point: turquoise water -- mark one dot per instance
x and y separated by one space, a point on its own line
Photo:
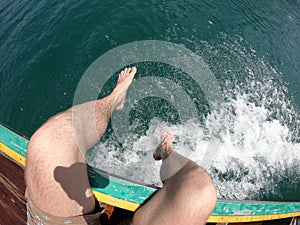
251 47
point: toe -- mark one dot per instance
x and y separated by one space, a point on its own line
133 70
156 155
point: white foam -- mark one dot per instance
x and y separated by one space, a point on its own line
252 150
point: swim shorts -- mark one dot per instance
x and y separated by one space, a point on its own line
35 216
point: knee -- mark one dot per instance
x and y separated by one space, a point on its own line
203 191
209 196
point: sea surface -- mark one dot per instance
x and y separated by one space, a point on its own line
252 50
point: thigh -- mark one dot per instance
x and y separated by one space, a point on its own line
187 198
58 187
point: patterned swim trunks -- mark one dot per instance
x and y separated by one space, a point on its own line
36 216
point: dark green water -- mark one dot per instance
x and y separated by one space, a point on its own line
252 47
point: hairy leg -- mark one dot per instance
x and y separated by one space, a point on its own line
56 170
187 197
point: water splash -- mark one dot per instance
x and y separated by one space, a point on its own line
259 136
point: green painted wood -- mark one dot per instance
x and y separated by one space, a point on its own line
126 190
254 208
119 188
13 140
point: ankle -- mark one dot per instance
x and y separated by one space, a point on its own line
172 164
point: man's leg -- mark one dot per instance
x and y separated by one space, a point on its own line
56 170
187 198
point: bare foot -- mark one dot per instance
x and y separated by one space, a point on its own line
125 79
164 149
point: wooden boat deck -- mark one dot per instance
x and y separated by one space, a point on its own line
12 189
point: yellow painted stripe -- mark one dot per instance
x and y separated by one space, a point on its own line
12 154
115 201
236 219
